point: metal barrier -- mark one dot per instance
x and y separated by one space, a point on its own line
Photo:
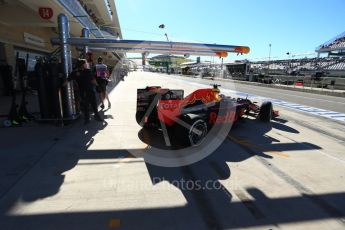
332 84
308 82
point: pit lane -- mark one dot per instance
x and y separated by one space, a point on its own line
288 175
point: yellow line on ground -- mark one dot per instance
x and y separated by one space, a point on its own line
114 223
256 147
125 159
130 156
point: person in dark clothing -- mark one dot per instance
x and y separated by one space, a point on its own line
6 74
86 84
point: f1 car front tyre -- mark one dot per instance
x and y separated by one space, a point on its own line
266 110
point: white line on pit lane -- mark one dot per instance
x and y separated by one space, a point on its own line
294 95
302 108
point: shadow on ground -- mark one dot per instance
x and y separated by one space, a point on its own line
201 185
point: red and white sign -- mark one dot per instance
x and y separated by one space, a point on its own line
45 12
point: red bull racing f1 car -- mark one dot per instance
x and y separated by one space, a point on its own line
193 116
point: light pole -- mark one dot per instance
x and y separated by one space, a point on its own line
221 69
162 26
269 57
289 67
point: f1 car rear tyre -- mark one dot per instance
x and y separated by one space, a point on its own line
149 121
194 134
139 116
266 110
197 132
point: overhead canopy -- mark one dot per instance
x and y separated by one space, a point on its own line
159 47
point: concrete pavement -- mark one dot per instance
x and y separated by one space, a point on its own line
287 175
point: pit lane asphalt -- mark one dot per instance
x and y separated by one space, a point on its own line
287 175
332 103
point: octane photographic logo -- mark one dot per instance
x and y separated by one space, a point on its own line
202 120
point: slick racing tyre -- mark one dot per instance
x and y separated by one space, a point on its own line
139 116
197 132
266 110
194 134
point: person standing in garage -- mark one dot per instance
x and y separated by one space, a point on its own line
87 83
102 77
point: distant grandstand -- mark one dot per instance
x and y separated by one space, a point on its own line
242 70
334 66
333 47
331 66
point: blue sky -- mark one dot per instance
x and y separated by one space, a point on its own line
295 26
